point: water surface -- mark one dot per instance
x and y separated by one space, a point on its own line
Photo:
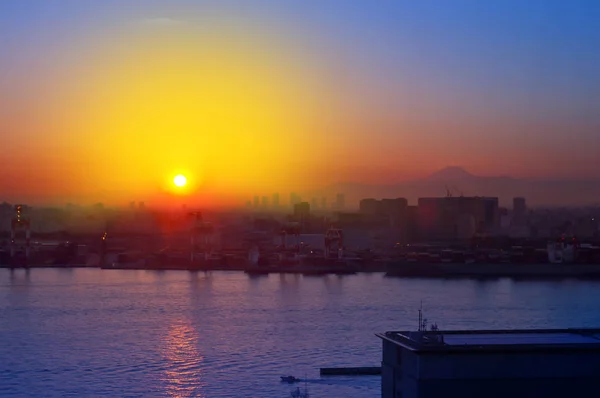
91 332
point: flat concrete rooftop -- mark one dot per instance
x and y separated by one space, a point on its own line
472 340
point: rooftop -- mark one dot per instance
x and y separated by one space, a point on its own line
476 340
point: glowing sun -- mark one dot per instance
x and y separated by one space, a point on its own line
180 180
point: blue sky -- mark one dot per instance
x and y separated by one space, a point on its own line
538 53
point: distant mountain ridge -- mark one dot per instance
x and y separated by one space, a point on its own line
461 182
450 173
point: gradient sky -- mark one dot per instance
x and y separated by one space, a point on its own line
108 99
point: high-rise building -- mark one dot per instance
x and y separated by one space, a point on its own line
369 206
519 211
491 213
394 207
264 202
324 203
302 212
275 201
256 202
383 207
302 209
442 218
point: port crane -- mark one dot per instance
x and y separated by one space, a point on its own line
19 222
334 240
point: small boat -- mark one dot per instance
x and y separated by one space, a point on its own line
290 379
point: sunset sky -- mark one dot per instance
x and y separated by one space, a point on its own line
109 100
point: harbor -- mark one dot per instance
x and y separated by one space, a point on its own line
559 259
191 241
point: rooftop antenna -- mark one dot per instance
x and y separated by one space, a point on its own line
448 192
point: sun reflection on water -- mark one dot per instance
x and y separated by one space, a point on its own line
183 370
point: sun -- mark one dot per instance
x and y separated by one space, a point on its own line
180 180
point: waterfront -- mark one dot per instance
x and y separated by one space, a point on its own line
90 332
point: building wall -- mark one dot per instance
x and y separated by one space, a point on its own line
369 206
399 372
499 374
517 388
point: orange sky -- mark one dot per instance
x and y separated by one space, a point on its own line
253 105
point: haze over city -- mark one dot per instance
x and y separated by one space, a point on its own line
262 198
109 100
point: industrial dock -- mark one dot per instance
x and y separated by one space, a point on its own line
187 241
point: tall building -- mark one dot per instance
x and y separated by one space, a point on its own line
519 205
491 211
275 201
386 208
369 206
394 207
324 203
519 211
490 363
256 202
457 217
302 213
389 217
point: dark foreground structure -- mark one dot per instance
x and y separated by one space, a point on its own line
491 363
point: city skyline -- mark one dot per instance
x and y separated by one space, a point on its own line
123 96
189 186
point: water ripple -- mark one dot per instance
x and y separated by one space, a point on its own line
178 334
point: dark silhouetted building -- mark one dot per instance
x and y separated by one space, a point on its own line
394 208
302 210
385 219
386 211
490 363
302 214
519 211
412 223
369 206
275 201
457 217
